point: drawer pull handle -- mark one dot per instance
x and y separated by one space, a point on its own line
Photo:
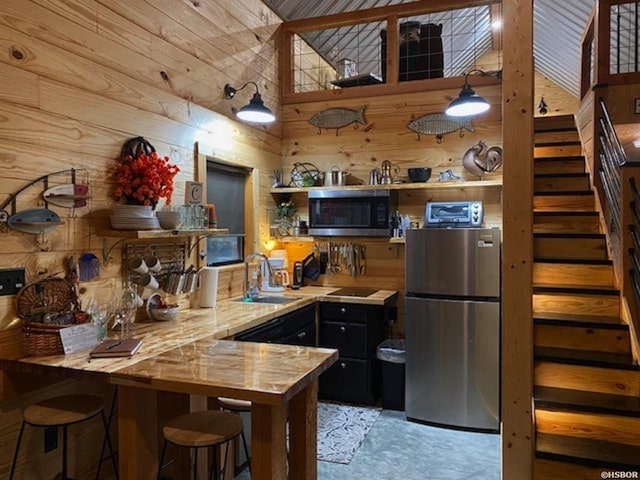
342 329
343 365
343 310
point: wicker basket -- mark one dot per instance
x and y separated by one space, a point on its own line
41 338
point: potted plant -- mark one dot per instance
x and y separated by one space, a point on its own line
142 176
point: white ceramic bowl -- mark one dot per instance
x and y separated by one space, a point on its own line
169 220
164 314
160 314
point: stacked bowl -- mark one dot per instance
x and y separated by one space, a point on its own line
133 217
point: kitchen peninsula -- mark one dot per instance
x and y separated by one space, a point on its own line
189 356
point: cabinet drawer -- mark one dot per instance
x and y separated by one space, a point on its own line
350 339
343 311
270 332
299 319
305 337
345 378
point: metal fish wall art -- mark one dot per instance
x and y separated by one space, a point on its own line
439 124
336 118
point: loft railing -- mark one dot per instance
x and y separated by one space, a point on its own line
611 46
404 48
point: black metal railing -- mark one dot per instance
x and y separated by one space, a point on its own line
624 25
634 250
612 158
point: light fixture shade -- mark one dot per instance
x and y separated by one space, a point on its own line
467 103
255 111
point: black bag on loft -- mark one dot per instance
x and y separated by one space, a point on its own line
421 53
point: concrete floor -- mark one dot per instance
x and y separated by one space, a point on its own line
398 449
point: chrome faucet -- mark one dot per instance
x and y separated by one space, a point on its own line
251 256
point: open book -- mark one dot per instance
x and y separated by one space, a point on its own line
117 348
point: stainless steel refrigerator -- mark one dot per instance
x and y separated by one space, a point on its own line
453 327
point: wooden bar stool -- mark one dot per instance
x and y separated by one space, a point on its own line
238 406
62 412
196 430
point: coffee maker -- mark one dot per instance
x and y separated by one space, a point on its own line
298 278
280 278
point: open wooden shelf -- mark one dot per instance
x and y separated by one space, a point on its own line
436 185
153 234
124 235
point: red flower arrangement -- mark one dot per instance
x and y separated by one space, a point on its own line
145 179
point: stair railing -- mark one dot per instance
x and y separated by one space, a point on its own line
612 158
633 252
620 188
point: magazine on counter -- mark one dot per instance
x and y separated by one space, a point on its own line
117 348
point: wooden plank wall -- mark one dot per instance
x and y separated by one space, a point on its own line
386 137
77 79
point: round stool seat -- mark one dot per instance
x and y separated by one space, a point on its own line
63 410
202 429
234 404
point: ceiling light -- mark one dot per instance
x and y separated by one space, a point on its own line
255 111
468 103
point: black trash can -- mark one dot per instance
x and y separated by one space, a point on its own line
391 354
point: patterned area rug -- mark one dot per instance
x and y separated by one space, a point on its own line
342 429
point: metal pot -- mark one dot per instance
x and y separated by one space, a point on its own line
335 177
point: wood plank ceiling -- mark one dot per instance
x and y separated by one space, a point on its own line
558 28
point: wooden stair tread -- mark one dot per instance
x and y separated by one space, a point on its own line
560 318
565 122
582 193
561 175
576 235
585 357
565 213
599 453
571 261
557 144
550 398
568 158
590 290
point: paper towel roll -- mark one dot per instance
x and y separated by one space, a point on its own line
208 287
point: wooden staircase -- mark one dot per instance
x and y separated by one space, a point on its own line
586 387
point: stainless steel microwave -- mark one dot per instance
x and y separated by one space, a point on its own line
363 213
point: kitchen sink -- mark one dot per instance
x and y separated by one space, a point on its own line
274 299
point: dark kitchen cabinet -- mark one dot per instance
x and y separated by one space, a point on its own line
295 328
355 330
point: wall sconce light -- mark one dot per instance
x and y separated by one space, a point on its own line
468 103
255 111
543 108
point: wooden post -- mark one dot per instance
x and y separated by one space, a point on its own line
517 253
303 427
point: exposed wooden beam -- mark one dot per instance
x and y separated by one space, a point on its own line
381 14
430 84
496 16
517 253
